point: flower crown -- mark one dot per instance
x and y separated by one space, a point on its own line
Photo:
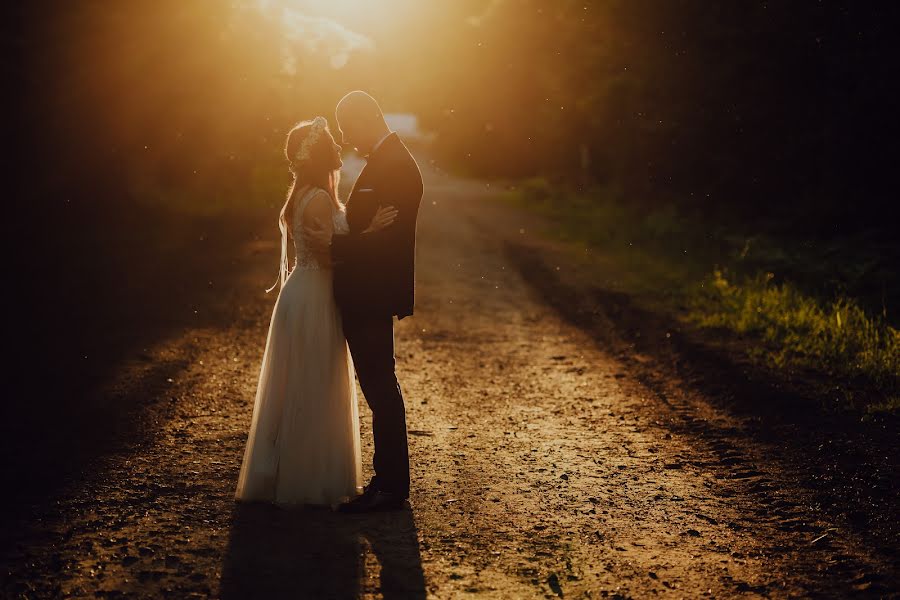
315 132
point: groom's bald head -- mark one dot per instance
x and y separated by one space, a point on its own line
358 105
360 120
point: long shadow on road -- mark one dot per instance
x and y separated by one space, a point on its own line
318 553
844 465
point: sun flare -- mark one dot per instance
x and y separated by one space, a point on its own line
315 27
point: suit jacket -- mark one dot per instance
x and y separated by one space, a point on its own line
374 273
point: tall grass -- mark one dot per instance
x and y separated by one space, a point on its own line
672 260
837 336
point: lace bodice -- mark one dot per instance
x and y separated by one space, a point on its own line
305 258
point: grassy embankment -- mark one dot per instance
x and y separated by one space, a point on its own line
813 305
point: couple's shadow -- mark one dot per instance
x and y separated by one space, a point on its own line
317 553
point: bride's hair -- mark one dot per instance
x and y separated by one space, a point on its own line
316 168
313 165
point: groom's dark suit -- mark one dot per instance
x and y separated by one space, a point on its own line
373 282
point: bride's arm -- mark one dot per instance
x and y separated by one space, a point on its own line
317 217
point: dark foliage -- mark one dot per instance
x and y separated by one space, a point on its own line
741 108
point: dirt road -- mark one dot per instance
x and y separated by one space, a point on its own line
542 465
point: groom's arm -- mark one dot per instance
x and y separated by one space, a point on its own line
345 246
357 239
358 243
339 248
400 189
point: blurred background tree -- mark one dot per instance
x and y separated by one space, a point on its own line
731 107
785 108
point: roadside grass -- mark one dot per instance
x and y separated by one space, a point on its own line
799 330
775 291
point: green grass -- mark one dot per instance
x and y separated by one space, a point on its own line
798 329
778 291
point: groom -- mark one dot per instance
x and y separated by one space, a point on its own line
373 282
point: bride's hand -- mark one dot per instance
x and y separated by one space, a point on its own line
384 216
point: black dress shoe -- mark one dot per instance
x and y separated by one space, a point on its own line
374 501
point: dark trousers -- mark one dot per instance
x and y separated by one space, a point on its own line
371 342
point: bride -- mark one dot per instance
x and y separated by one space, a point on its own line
303 446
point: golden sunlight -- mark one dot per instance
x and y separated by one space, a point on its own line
310 27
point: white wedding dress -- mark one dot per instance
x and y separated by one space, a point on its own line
303 446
